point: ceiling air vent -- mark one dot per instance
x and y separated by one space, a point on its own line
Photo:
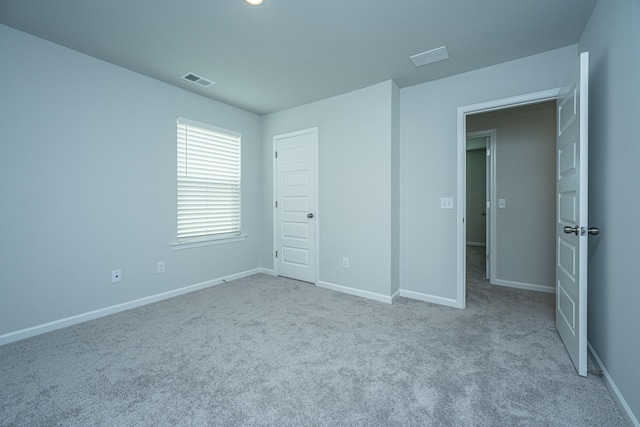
430 56
200 81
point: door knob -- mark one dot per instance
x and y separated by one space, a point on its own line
309 215
594 231
569 230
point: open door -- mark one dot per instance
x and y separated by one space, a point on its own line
572 213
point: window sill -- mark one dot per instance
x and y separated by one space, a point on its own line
209 242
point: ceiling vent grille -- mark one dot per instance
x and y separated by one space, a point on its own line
430 56
196 79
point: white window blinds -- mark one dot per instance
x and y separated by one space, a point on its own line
208 182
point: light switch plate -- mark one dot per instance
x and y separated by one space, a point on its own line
446 203
502 203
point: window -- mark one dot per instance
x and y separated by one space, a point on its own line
208 182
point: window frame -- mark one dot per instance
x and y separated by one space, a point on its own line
183 182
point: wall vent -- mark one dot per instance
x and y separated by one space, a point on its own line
194 78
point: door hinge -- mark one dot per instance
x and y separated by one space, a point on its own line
276 203
276 154
488 205
276 254
488 152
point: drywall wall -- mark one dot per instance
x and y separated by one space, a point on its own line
88 185
476 195
524 249
428 155
356 164
395 190
612 38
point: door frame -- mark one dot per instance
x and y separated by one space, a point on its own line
490 178
461 186
316 222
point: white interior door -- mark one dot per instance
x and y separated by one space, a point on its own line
295 205
572 214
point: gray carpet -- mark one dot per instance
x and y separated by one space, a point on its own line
271 351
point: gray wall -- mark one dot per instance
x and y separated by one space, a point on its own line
358 161
612 38
428 155
88 185
524 248
476 195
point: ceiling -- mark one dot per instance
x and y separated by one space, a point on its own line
286 53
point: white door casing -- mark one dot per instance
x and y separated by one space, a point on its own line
572 213
488 208
295 206
490 136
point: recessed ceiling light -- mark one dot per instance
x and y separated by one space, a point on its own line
430 56
254 2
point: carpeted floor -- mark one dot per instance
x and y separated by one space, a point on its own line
271 351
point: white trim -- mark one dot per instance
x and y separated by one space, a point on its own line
461 231
95 314
616 395
268 271
207 126
429 298
357 292
317 216
528 286
491 191
219 241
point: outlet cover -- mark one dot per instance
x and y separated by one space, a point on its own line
116 276
446 203
160 267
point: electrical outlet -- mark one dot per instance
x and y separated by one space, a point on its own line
116 276
160 267
446 203
345 262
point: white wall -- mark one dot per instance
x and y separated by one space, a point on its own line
356 167
525 157
428 161
88 185
612 38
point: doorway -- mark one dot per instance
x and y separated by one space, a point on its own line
523 209
464 113
479 185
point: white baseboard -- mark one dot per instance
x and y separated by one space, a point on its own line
527 286
476 244
357 292
73 320
613 390
429 298
269 271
